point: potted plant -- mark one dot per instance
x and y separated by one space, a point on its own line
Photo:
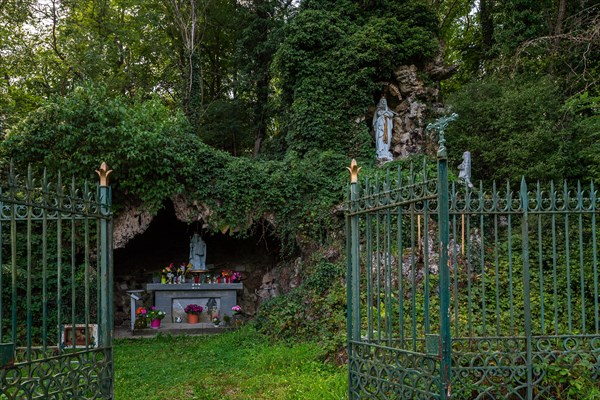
216 320
140 318
236 310
155 316
193 312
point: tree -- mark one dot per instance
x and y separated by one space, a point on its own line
149 146
332 60
257 44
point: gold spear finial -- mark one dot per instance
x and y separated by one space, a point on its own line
103 173
354 170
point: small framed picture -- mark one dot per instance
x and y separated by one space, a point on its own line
81 341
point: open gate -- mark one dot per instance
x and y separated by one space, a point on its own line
56 317
399 340
466 293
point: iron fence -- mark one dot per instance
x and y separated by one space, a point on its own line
467 293
55 285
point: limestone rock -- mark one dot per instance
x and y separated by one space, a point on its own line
130 222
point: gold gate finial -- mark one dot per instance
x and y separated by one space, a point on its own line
103 173
354 170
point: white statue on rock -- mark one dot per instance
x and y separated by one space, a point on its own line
197 253
382 125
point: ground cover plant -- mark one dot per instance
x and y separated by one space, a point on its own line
238 365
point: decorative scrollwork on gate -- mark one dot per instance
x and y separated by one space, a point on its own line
80 375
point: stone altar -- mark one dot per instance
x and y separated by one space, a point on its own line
172 299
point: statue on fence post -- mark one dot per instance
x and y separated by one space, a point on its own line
382 125
197 253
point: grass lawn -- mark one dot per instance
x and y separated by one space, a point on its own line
235 365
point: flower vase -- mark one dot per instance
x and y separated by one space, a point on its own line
163 279
155 323
193 318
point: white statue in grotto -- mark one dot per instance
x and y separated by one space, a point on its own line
382 125
197 253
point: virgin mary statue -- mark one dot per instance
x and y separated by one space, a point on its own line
382 125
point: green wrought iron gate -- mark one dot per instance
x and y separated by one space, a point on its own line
398 339
56 289
466 293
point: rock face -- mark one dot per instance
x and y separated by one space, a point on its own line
415 100
130 222
410 98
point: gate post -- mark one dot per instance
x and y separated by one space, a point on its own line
104 320
105 317
444 231
353 279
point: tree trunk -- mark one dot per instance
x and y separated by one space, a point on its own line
560 16
487 24
262 83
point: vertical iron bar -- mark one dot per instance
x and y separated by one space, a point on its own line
581 275
540 258
369 266
595 256
497 271
110 262
400 274
554 274
444 221
45 202
29 198
568 257
454 262
106 279
510 261
13 246
349 291
526 288
105 338
59 194
482 258
426 263
1 267
413 273
355 267
98 264
388 277
73 249
554 255
86 282
469 265
378 273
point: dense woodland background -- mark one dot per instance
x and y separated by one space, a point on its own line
252 108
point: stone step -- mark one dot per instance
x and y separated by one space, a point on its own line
174 329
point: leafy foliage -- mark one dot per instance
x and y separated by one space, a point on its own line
316 309
145 143
328 66
512 128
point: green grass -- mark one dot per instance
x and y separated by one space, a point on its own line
236 365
